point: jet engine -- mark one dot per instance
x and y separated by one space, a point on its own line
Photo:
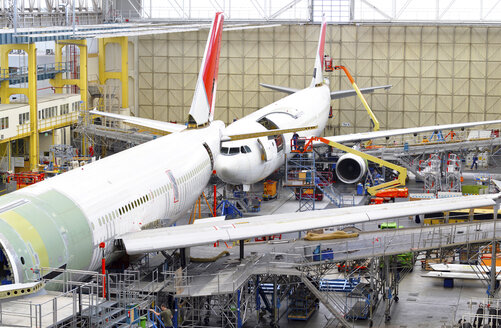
350 168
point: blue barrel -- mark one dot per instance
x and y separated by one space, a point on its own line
360 189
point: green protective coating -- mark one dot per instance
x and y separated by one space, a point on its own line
17 245
52 226
72 226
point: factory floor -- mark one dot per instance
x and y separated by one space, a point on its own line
423 302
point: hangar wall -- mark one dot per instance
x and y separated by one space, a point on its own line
440 74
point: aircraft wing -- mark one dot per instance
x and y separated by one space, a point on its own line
334 95
143 122
356 137
279 88
350 93
209 232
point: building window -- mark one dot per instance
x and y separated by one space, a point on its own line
24 118
4 123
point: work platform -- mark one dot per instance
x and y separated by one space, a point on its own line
44 72
394 152
290 257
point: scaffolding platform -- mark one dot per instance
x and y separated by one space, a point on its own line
392 152
40 310
44 72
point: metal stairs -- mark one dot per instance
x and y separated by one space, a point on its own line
335 306
328 189
108 314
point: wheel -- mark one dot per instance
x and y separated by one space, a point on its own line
396 299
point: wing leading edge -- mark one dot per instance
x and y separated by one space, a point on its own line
143 122
209 232
357 137
334 94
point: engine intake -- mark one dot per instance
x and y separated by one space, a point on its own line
350 168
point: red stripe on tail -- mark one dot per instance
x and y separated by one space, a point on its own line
211 64
322 43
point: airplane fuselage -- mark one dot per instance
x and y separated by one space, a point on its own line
249 161
61 221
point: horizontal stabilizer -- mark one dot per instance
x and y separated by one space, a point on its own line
357 137
208 232
154 125
350 93
265 133
279 88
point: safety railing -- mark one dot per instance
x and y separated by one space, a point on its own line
17 74
49 123
76 296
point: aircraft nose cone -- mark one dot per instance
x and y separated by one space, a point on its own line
227 170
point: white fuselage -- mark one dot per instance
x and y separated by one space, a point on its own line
125 192
251 160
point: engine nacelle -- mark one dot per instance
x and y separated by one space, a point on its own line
351 168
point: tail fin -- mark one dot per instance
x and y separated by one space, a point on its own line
318 77
202 107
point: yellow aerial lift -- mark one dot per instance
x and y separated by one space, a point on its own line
402 172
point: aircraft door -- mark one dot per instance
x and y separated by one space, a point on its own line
268 149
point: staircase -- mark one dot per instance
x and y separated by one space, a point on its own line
331 303
107 314
328 189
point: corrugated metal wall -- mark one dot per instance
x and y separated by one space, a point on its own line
440 74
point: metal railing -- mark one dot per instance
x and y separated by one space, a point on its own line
289 258
50 123
76 296
21 73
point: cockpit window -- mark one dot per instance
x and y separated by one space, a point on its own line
243 150
247 148
234 150
224 150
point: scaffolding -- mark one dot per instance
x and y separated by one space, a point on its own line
453 173
302 176
432 174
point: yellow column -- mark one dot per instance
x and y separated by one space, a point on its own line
57 81
83 72
123 75
101 58
9 152
30 92
125 72
4 87
32 98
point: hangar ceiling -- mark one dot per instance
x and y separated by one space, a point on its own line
440 74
